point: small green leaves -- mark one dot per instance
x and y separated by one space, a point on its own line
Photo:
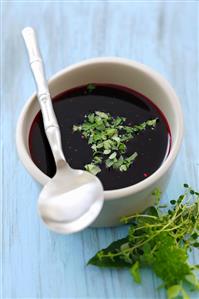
108 144
184 294
130 159
109 163
194 235
152 122
76 128
123 168
92 168
170 261
160 240
108 136
174 291
192 280
107 151
173 202
102 114
90 87
113 155
91 118
157 195
104 258
134 270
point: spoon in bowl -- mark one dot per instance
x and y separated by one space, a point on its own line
72 199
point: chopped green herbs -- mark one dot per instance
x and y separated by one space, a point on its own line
160 240
90 87
108 137
92 168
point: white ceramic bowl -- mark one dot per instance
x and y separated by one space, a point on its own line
134 75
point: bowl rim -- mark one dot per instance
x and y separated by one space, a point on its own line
122 192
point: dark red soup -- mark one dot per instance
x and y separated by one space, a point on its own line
152 145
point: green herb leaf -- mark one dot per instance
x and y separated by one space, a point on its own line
109 163
76 128
186 185
90 87
174 291
107 151
134 270
102 114
192 279
113 155
184 294
104 257
123 168
92 168
170 261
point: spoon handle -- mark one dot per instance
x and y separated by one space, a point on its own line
50 122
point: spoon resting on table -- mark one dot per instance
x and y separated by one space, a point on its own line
72 199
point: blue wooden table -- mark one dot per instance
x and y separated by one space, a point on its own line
37 263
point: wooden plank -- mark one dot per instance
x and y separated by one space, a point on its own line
163 35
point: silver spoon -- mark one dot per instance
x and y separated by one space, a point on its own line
72 199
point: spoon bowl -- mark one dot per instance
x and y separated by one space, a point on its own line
71 200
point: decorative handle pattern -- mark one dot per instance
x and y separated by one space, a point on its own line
50 122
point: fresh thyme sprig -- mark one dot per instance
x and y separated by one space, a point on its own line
90 87
108 137
160 240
